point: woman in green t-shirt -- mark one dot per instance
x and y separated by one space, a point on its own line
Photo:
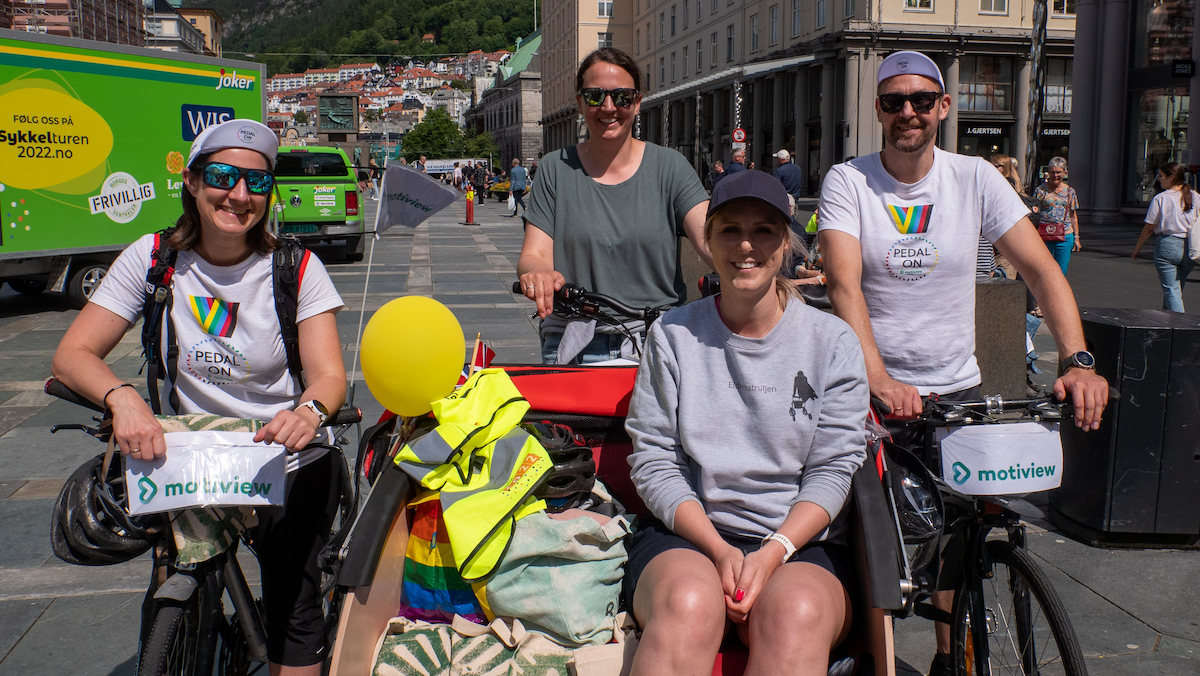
607 214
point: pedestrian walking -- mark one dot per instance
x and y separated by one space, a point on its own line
789 174
479 177
517 182
1171 216
714 175
1059 226
457 175
532 170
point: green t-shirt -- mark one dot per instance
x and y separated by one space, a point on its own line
619 240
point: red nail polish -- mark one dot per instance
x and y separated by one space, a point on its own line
741 594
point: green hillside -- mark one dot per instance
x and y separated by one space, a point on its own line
316 32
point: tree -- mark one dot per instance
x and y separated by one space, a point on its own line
300 117
477 145
436 138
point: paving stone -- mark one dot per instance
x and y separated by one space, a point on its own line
34 453
25 540
81 636
10 486
39 488
16 617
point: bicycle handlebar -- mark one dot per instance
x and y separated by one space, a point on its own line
56 388
578 300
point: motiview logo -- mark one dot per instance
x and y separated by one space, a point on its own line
962 473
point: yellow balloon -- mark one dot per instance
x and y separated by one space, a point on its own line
412 354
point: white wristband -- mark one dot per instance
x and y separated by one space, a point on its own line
788 547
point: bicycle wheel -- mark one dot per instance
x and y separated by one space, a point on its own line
1013 623
182 636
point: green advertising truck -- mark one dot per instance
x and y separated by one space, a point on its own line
93 141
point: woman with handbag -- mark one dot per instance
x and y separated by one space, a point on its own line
748 422
1059 226
1172 216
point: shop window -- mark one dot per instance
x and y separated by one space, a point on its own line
918 5
993 6
1058 86
985 84
754 33
1162 31
1158 120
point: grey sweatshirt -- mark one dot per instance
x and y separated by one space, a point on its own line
748 427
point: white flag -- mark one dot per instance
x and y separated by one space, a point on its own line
408 197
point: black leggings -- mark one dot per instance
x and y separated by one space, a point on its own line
287 542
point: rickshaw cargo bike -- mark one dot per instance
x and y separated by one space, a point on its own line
593 401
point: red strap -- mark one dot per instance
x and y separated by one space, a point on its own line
303 267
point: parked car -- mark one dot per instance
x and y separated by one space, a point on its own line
320 199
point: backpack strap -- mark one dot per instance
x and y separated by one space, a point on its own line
288 264
158 300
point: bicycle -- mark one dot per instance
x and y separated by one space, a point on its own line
1006 617
184 629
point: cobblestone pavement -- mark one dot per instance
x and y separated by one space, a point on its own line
1135 610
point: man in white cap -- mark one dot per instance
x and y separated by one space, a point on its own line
789 174
899 230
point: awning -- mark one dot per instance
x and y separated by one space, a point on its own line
749 70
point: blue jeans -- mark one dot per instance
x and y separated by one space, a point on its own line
1174 266
604 346
1062 251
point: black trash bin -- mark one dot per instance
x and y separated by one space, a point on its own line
1137 478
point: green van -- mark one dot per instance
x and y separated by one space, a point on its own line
319 201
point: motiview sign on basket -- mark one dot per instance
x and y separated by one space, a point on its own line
1002 459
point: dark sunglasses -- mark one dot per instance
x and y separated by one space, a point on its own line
226 176
622 98
922 102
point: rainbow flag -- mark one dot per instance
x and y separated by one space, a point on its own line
217 317
433 590
912 220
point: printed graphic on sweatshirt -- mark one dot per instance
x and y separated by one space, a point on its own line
802 393
911 258
217 317
216 362
912 220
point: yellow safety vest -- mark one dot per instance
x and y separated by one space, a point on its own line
484 466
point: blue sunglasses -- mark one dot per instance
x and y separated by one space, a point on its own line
226 176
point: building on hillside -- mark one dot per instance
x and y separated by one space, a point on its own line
209 23
314 76
167 30
428 38
453 101
349 71
570 31
420 78
511 109
1134 74
483 64
116 21
285 82
799 75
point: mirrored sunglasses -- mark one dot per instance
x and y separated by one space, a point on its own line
226 176
622 98
922 102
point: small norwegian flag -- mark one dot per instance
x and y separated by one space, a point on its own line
481 358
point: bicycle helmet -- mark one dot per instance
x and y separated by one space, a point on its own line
574 470
90 526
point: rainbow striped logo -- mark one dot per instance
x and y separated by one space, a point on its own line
215 316
912 220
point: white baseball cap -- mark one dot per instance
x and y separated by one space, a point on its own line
783 155
238 133
910 63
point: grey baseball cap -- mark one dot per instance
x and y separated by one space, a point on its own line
237 133
755 185
910 63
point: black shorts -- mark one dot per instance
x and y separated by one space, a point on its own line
287 542
653 538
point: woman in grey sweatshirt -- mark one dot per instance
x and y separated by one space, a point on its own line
748 422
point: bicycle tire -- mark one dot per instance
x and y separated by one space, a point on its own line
182 636
1024 621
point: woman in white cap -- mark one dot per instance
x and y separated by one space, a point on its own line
231 361
747 522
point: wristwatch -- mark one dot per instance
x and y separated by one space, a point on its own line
1081 359
318 408
788 547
